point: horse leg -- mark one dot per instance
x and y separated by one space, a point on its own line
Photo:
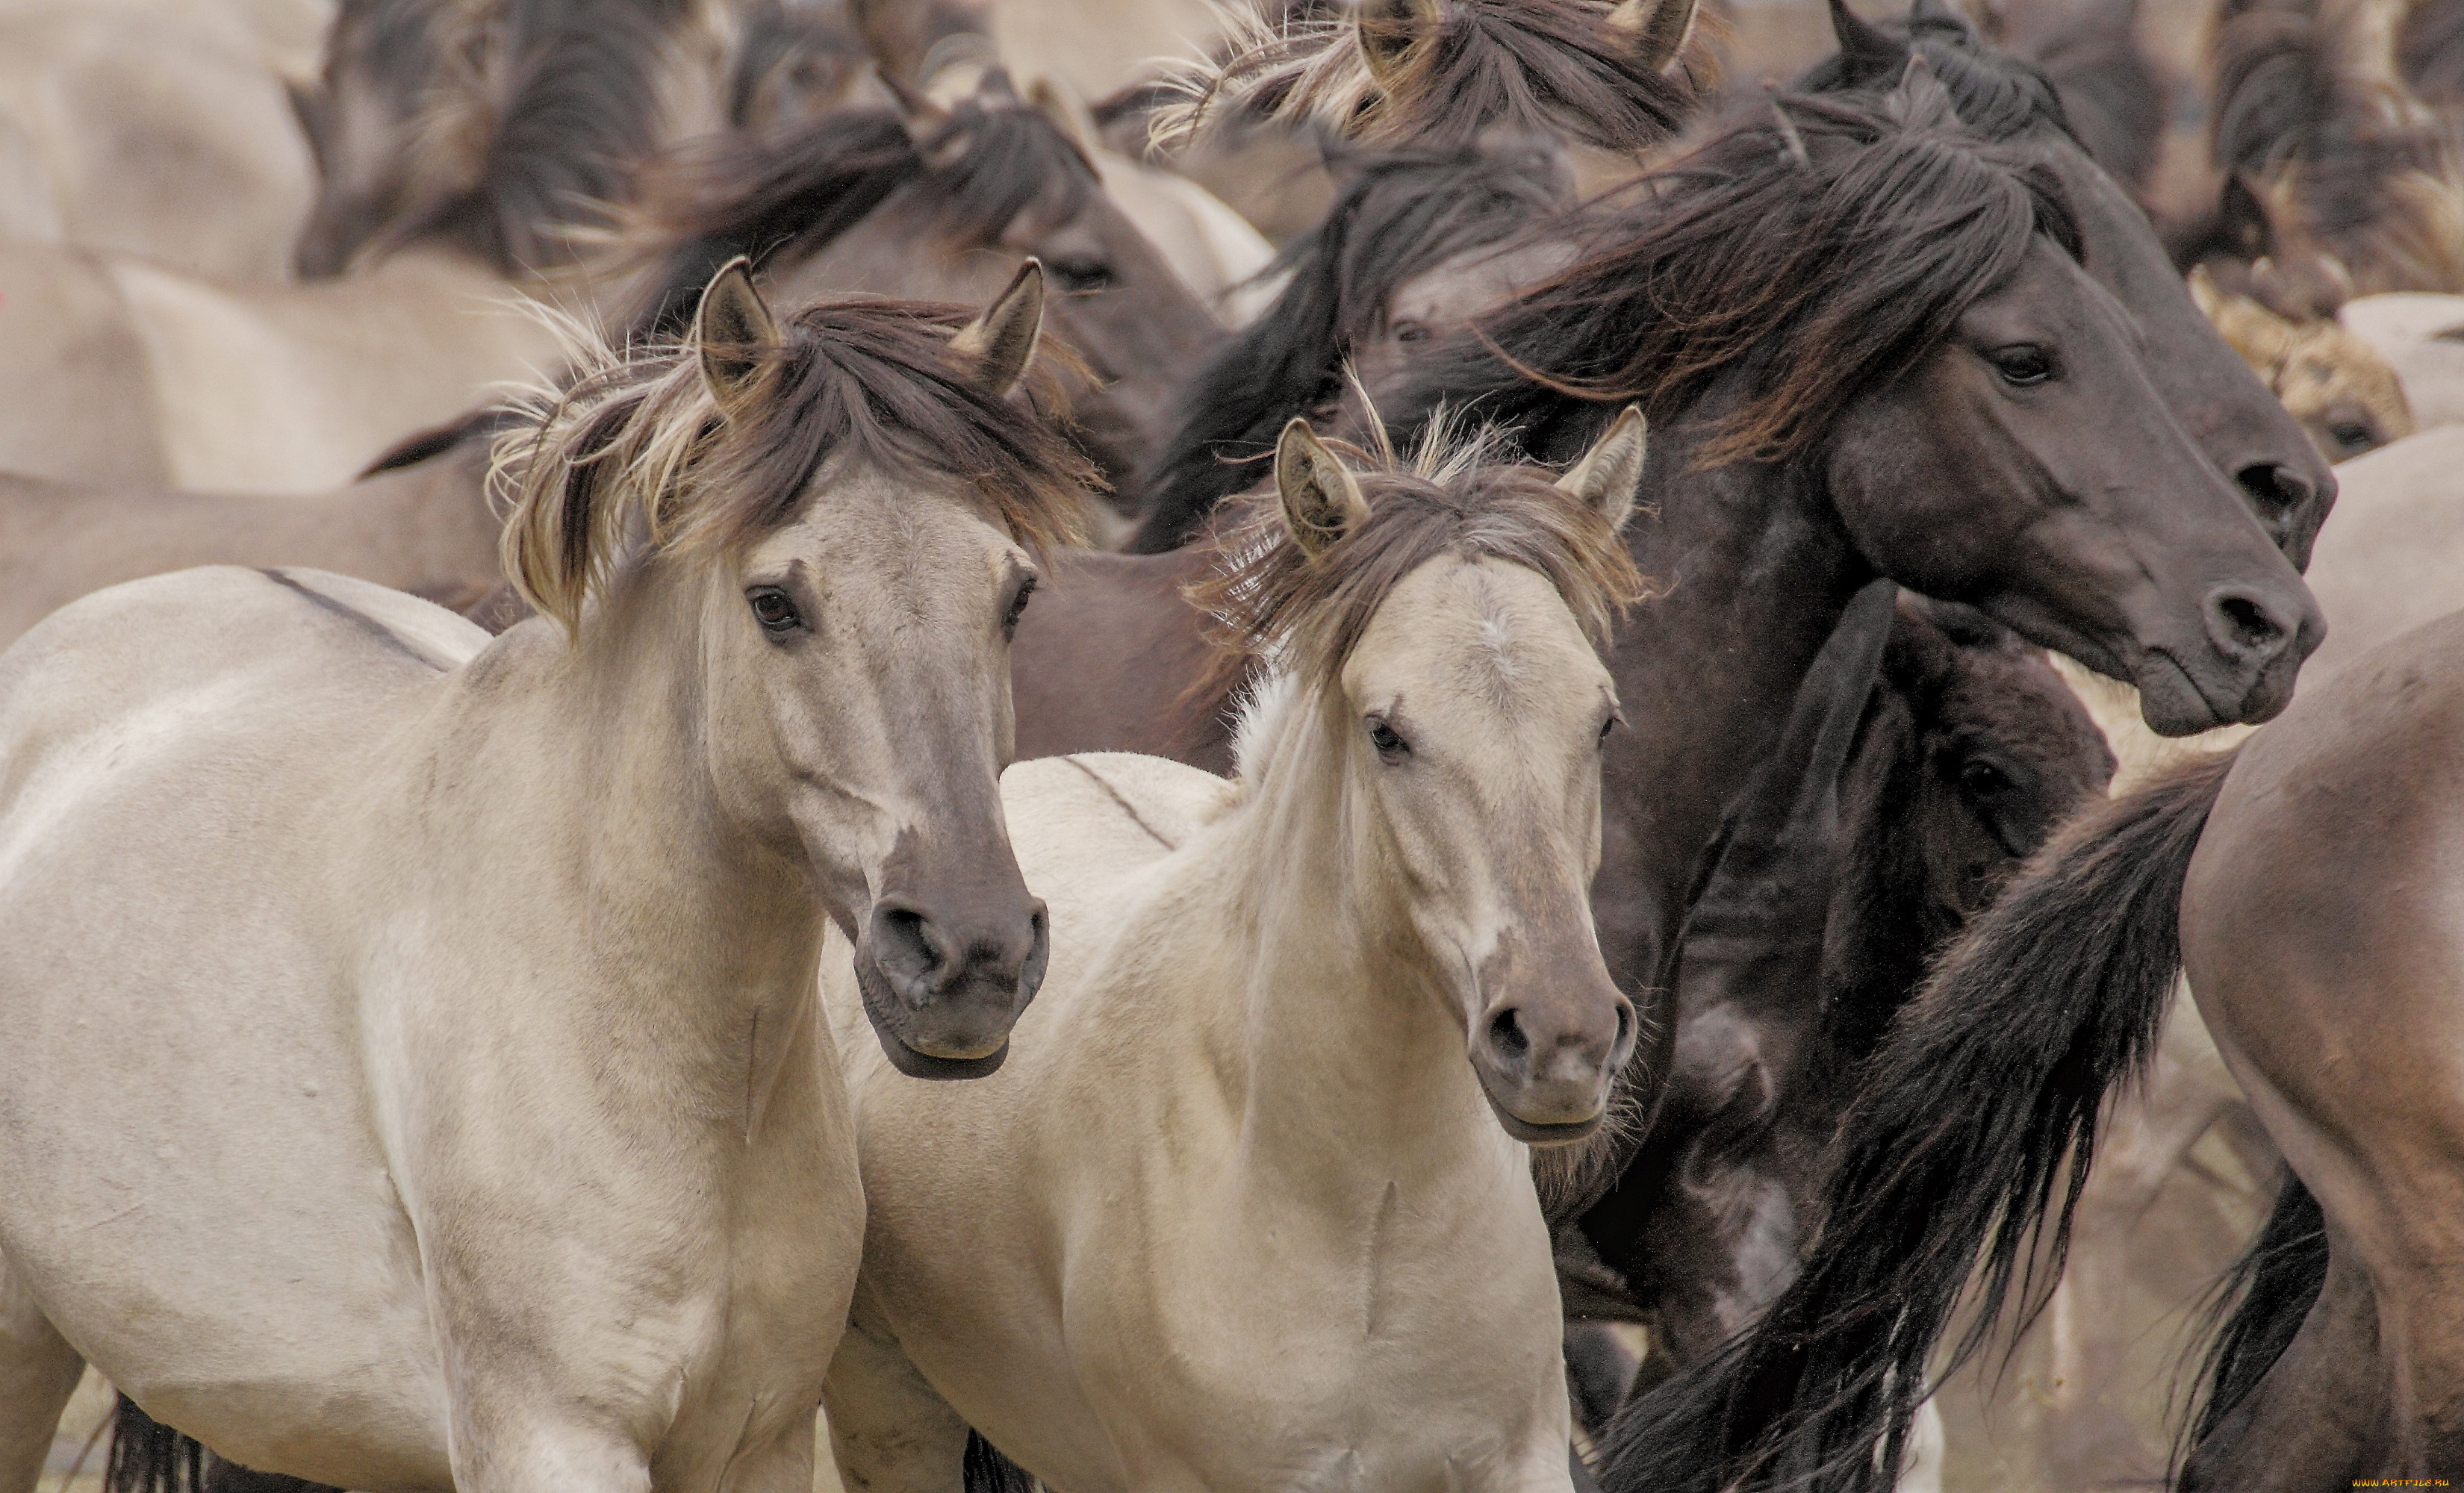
890 1432
38 1373
2317 1416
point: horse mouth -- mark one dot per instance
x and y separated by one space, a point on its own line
916 1063
1534 1132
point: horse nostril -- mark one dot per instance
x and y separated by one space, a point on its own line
2242 624
1624 1026
1506 1034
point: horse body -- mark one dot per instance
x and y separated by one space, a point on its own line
1278 980
2422 337
493 963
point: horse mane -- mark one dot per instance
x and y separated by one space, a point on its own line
554 102
635 453
782 196
1269 600
1999 95
1554 66
1825 243
1401 214
2355 167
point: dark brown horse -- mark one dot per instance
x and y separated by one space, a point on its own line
2306 887
1927 756
943 203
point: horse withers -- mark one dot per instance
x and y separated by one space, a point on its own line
471 1123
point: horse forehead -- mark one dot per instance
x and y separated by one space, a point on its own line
915 536
1478 634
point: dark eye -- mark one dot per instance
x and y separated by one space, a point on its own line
1411 332
1080 275
1608 724
2351 437
774 610
1017 606
1388 741
1982 778
2023 364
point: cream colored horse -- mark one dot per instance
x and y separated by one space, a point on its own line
469 1121
1250 1207
2423 337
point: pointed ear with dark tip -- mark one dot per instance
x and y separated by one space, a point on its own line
1868 54
1388 30
1322 500
736 334
1659 29
1606 478
2242 221
1000 344
1067 116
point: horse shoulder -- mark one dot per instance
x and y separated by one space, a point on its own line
1100 815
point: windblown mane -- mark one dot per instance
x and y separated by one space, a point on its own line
634 455
2313 116
1303 614
538 111
1999 96
1555 66
1401 214
781 197
1825 244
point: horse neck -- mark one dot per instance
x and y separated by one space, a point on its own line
1354 1071
1757 573
597 759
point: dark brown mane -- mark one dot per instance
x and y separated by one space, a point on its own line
636 447
785 196
1557 66
2348 163
1826 243
1271 601
1401 212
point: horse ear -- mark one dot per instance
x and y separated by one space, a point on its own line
1322 500
1865 51
1606 478
1000 344
1389 29
735 334
1659 29
2204 292
1067 114
1921 102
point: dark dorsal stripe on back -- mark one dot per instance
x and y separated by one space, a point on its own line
778 198
1402 213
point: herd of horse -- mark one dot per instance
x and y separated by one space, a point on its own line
1658 709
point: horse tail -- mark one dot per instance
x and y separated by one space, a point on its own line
1981 1102
2259 1305
985 1470
149 1456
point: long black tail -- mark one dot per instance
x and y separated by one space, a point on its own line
1982 1101
2263 1299
986 1470
149 1456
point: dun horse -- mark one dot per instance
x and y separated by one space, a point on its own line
474 1126
1239 1211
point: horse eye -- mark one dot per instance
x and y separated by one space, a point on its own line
774 610
1411 332
1017 606
1388 741
1979 776
1608 724
2352 437
2022 363
1080 275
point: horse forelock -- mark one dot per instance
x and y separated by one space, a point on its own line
1270 601
1830 240
779 197
636 455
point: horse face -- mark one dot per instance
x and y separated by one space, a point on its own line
865 646
2029 467
1474 709
385 153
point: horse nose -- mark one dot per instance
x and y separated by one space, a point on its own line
1547 1064
2250 628
962 979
